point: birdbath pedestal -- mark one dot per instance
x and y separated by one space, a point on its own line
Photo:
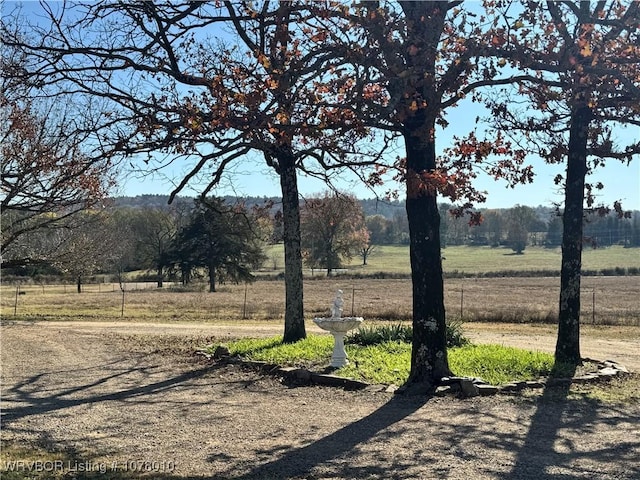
338 327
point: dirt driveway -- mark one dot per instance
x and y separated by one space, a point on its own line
83 390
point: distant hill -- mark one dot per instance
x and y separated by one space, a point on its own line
162 201
370 206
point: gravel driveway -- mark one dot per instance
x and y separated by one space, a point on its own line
85 391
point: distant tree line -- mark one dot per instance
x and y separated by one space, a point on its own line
209 237
516 227
387 223
224 239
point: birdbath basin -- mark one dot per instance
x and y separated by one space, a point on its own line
338 327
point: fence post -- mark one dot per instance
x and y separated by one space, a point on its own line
353 298
244 305
461 301
593 307
15 305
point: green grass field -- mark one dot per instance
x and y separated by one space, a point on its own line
476 260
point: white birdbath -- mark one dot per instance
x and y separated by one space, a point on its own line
338 326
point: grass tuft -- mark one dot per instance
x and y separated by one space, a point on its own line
376 334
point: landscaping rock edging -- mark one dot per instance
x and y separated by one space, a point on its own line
473 387
465 386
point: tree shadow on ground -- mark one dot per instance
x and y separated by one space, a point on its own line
448 438
463 437
299 462
548 453
28 393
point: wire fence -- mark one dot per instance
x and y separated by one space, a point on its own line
604 300
48 289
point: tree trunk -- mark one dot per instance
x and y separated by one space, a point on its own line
186 275
212 279
294 328
160 276
568 342
79 284
429 361
328 251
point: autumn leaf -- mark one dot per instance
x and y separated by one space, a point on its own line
264 61
320 36
282 117
498 40
586 51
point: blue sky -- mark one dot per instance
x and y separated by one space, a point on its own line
255 178
621 183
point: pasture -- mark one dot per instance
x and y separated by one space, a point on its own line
500 299
476 260
611 300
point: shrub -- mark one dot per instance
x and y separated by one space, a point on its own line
455 334
191 287
377 334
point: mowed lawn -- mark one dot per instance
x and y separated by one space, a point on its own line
477 260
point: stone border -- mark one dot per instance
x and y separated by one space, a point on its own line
465 386
473 387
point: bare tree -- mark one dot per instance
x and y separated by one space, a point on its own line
156 230
46 175
581 81
208 85
90 244
333 229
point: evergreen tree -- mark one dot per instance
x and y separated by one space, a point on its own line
221 239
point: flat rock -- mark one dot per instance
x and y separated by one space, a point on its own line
468 388
221 351
510 387
536 384
486 389
335 381
376 388
444 389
